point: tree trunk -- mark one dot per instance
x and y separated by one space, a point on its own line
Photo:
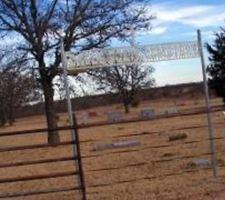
11 117
53 135
3 119
126 107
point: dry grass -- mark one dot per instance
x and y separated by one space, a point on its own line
146 181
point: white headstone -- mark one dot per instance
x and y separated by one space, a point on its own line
172 110
147 114
202 162
114 145
84 118
114 116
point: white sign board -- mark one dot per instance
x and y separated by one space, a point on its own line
98 58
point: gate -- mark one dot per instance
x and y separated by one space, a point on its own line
37 169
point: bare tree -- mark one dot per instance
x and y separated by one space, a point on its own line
86 24
126 81
17 86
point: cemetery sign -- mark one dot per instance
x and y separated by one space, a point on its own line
98 58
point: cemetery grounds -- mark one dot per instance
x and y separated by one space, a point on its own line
157 168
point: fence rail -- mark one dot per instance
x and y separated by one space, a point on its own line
35 146
41 192
38 177
36 162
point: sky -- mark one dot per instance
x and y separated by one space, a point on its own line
178 20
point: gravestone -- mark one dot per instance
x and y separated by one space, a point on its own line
147 114
84 118
172 110
92 114
202 162
115 145
180 136
114 116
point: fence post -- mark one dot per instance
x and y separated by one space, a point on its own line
80 164
208 106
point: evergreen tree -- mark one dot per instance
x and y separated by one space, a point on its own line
216 68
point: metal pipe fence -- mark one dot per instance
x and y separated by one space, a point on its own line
80 173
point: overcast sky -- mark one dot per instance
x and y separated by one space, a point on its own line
178 20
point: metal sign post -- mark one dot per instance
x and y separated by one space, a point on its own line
208 106
71 119
66 84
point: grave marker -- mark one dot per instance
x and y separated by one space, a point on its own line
114 116
147 114
115 145
84 118
172 110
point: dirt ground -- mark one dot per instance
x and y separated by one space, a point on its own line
156 169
